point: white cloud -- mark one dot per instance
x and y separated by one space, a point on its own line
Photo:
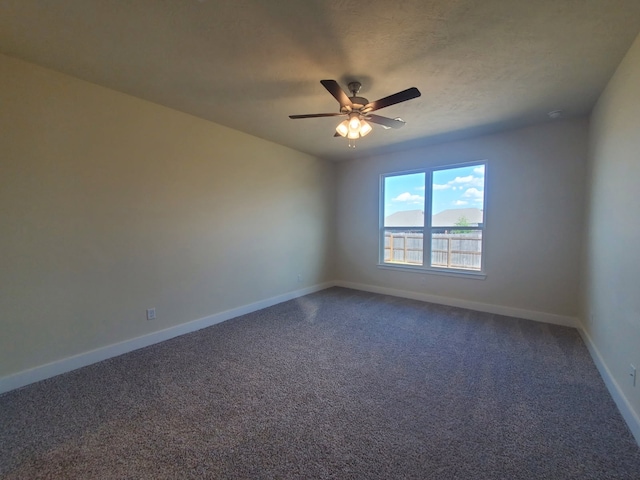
468 181
473 193
421 188
437 186
460 202
479 170
409 198
478 200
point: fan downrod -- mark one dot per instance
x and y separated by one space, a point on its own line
354 88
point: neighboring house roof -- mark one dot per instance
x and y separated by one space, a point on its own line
450 217
406 218
446 218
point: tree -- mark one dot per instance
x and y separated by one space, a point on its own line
462 222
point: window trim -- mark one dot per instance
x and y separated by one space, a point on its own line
426 245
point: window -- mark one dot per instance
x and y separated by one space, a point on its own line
433 219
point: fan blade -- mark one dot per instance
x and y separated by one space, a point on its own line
386 121
316 115
402 96
335 90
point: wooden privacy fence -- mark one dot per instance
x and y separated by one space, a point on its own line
449 250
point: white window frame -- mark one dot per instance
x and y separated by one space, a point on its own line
426 267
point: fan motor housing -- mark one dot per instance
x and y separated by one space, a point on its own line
358 103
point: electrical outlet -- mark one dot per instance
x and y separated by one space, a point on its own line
632 374
151 313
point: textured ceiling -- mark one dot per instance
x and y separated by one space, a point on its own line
482 66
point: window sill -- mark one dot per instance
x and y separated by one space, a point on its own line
434 271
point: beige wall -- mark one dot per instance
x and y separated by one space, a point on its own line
611 306
110 205
534 219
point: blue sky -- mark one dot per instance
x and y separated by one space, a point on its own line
460 187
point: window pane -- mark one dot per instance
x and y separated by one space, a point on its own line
404 218
458 197
457 202
403 246
457 250
404 200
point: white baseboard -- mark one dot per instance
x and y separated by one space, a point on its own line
624 406
68 364
74 362
565 321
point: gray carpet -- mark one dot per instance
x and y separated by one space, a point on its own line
339 384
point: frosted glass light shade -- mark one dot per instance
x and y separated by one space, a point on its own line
365 128
353 134
343 128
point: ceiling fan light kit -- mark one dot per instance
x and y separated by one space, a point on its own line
358 110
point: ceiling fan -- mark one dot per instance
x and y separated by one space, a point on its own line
359 109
